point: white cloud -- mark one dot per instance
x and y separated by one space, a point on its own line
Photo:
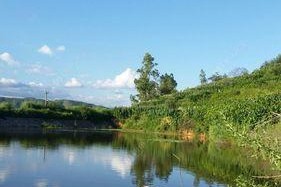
34 84
69 156
39 69
4 175
41 183
4 82
8 59
14 88
73 83
119 163
122 164
123 80
45 50
61 48
107 98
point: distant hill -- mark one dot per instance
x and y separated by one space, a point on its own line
16 102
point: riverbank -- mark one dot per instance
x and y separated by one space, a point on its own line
244 100
35 114
41 123
245 109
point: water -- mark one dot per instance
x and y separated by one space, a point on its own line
103 159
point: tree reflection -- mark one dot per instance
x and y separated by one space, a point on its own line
153 154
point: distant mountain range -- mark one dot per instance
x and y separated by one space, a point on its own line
16 102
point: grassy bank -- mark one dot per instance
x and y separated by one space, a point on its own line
244 108
244 100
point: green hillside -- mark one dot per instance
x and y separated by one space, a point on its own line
243 100
244 110
16 102
57 109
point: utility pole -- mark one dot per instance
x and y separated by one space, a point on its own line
46 98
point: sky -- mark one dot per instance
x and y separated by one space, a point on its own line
89 50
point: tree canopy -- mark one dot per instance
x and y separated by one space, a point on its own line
202 77
167 84
148 84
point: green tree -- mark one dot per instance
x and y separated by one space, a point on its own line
146 84
202 77
55 105
134 99
85 112
167 84
30 105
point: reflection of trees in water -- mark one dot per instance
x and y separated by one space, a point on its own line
196 181
153 155
142 170
163 169
149 162
207 161
52 140
145 167
4 143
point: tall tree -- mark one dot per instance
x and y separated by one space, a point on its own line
167 84
147 84
202 76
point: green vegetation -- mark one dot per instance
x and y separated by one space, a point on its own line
242 107
148 84
265 143
243 99
55 110
16 102
202 76
167 84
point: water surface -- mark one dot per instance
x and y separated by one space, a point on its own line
103 159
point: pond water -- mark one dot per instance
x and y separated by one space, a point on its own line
103 159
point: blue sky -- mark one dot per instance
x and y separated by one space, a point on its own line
89 50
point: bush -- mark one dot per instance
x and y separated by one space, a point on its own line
5 106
